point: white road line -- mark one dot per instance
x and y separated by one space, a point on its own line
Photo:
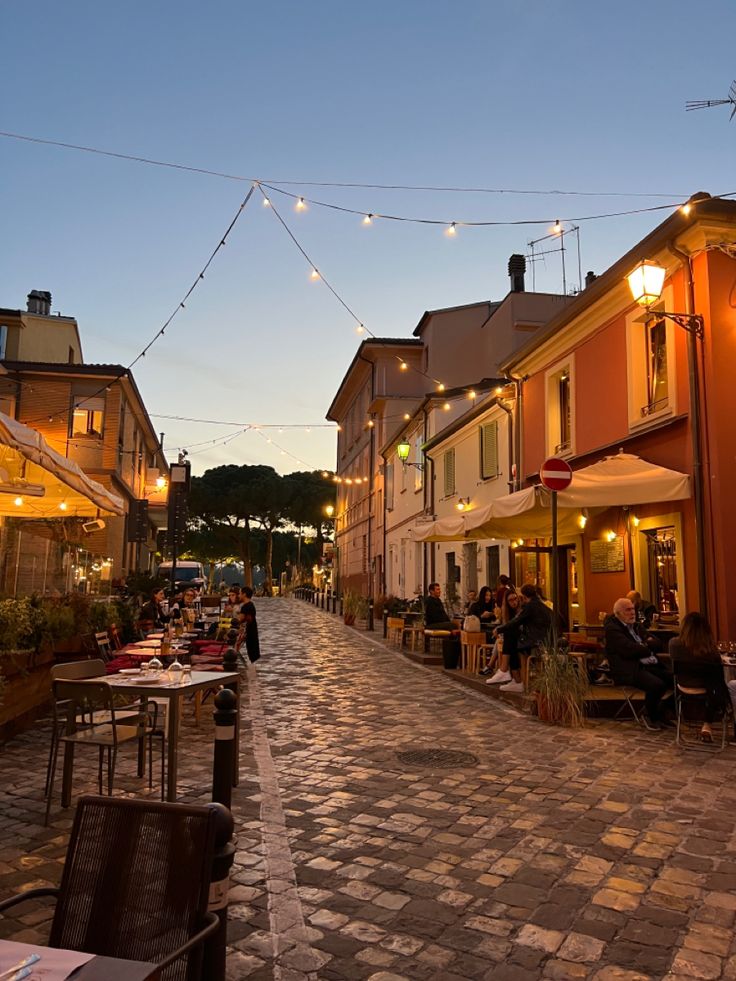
292 952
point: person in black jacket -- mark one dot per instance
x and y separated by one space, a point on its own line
249 625
632 661
435 614
697 664
532 625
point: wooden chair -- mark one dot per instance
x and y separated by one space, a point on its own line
115 639
415 634
135 884
395 631
473 645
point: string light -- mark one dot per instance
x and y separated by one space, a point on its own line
446 406
314 274
686 209
452 230
360 329
63 506
440 387
407 417
368 220
266 202
300 205
556 228
404 366
471 394
18 502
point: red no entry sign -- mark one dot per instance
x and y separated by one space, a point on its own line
555 474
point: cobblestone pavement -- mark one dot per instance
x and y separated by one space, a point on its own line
603 854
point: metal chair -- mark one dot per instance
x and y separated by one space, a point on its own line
135 884
690 705
104 646
93 703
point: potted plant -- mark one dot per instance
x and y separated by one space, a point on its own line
560 688
361 611
349 606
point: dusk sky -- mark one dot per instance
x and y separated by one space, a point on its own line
569 96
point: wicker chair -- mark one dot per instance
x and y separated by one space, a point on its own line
135 884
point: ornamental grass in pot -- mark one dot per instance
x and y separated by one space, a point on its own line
560 688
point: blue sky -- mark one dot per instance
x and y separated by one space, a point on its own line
571 96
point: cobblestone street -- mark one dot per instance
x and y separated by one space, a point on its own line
603 854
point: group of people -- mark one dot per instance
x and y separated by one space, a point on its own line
238 615
694 661
516 622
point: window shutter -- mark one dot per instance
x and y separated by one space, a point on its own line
418 473
449 472
389 486
489 450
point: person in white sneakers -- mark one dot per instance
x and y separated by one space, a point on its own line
509 609
530 627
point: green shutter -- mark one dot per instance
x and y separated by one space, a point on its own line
489 450
449 473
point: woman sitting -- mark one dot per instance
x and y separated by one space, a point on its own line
484 608
509 658
152 613
697 664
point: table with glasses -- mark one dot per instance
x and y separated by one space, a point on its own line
174 690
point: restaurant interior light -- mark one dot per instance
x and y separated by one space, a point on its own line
402 451
610 536
646 282
582 520
18 502
160 482
329 510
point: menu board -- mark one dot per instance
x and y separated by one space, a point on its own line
607 556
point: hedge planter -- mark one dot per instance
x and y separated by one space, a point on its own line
26 690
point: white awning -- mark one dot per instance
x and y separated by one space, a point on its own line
616 481
43 482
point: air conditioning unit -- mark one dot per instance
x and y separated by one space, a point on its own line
91 526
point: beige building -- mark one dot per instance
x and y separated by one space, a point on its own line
453 363
95 416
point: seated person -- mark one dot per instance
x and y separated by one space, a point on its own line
153 612
633 663
530 628
484 608
470 602
697 664
645 610
435 615
233 601
183 606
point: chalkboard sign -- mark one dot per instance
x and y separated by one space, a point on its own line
607 556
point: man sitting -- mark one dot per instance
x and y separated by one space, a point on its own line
435 614
633 663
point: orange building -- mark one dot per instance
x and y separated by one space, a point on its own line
606 375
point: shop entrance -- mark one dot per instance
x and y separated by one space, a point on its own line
532 565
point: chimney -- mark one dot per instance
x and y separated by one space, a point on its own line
517 268
590 277
39 301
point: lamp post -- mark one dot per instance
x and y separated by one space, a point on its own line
646 282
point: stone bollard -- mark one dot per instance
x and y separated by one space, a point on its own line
226 713
215 947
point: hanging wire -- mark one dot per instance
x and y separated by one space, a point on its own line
180 306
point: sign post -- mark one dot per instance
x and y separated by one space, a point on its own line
555 475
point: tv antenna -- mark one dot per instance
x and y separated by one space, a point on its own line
557 231
708 103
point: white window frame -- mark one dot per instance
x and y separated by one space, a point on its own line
552 379
636 366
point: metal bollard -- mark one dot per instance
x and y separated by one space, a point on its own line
341 606
385 624
370 614
215 947
322 598
222 767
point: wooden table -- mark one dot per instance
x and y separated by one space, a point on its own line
175 692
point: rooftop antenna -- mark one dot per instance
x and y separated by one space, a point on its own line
558 231
708 103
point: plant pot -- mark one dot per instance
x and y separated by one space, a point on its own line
349 619
544 709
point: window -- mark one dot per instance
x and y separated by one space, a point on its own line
418 473
488 450
3 340
449 462
560 413
87 417
655 340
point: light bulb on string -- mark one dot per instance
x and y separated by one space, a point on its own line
557 227
360 329
686 209
266 203
404 366
446 406
301 205
314 274
407 417
63 506
440 387
452 230
471 394
368 220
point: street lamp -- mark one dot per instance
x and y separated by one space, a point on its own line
402 452
646 282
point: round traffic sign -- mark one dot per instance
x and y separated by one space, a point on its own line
555 474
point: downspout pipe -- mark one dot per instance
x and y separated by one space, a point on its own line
518 383
428 549
696 429
371 450
510 415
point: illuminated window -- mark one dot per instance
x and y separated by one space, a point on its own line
655 339
87 418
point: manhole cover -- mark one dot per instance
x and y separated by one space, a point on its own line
443 759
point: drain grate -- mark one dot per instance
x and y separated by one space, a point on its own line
442 759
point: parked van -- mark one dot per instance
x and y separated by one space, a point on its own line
187 573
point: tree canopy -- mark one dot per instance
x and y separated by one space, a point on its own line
228 504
